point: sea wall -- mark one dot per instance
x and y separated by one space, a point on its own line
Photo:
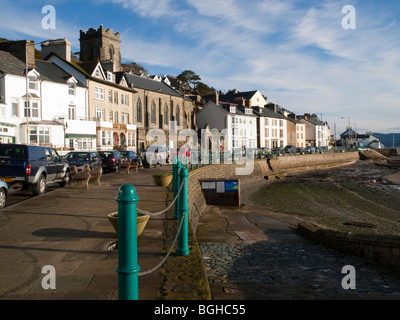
261 170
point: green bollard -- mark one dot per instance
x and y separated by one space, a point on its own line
179 166
128 268
183 248
175 182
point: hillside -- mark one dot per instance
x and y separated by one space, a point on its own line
387 139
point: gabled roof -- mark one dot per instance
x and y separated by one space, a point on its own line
9 64
51 72
316 122
230 97
225 107
267 113
152 85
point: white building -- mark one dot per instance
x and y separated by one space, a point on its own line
237 123
56 100
272 129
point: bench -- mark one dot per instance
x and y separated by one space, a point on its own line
81 179
126 165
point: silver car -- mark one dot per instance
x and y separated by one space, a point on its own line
3 194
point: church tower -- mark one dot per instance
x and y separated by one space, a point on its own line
101 44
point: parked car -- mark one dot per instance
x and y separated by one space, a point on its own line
130 155
3 194
109 160
80 158
310 150
32 166
290 149
156 154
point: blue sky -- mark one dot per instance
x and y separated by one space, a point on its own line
295 52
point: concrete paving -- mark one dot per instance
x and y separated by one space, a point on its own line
69 230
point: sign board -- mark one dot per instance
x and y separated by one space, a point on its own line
222 192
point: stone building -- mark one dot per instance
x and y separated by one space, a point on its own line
101 44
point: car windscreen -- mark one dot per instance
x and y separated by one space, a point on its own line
106 154
12 151
78 157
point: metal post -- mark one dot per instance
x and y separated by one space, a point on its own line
175 184
179 166
183 248
128 268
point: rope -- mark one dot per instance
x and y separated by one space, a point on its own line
166 209
169 252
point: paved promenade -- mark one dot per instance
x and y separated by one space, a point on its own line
69 230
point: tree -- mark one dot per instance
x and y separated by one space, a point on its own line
134 68
188 79
202 89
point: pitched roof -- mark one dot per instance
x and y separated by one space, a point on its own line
230 97
267 113
9 64
152 85
239 110
51 72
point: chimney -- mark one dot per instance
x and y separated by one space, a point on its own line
216 97
248 103
60 46
274 107
19 49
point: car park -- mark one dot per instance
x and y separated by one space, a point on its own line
3 193
109 160
80 158
32 167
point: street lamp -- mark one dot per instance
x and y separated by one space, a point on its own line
28 107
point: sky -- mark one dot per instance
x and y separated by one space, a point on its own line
306 56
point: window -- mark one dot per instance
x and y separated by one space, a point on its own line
98 93
124 118
106 138
33 111
71 112
14 109
110 97
178 116
97 73
233 120
166 114
248 111
110 77
153 113
39 135
99 114
116 117
232 110
33 83
281 133
71 89
124 99
110 116
139 110
266 132
116 97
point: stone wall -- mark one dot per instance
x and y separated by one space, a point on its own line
287 164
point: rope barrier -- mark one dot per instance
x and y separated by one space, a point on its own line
168 253
166 209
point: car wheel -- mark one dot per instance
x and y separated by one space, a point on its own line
3 198
40 186
66 179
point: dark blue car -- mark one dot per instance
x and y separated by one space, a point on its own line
80 158
130 155
110 160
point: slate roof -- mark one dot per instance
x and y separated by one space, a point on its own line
10 64
51 72
267 113
226 108
152 85
230 97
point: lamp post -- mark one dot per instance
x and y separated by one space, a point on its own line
27 106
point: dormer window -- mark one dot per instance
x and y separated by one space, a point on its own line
33 82
110 77
97 73
71 88
232 110
248 111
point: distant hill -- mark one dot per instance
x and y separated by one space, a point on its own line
387 139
